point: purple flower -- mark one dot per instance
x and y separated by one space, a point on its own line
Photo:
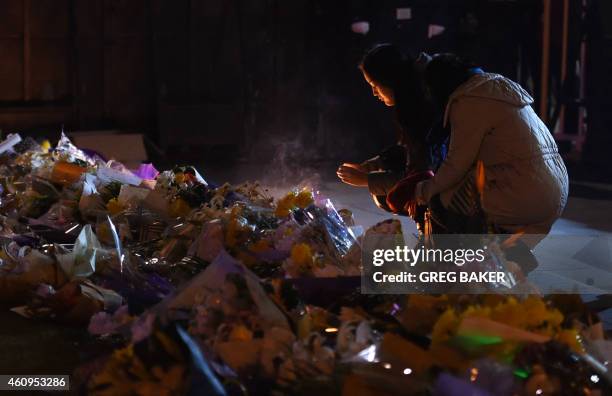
142 327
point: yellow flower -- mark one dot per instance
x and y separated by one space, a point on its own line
445 327
45 146
304 199
301 255
113 206
571 338
530 314
285 204
476 311
537 308
179 177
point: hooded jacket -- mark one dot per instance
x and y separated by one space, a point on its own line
492 122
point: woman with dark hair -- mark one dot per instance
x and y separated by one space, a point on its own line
522 182
397 81
502 165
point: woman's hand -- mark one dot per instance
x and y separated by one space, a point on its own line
353 174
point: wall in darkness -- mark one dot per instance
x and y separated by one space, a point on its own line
185 72
112 63
599 136
253 73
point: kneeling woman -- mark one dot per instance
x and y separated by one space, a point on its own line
494 128
397 80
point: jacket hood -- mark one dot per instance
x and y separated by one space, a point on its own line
490 86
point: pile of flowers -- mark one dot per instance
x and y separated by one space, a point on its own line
221 289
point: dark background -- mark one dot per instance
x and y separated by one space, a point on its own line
229 80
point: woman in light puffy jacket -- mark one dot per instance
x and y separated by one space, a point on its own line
494 128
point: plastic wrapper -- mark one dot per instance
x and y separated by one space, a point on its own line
146 227
354 337
319 243
157 201
81 261
337 233
203 379
214 276
140 290
67 151
27 269
60 216
36 197
210 242
74 303
110 299
146 172
90 203
347 217
108 174
233 317
177 239
121 257
11 140
132 195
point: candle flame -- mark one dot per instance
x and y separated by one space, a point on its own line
480 178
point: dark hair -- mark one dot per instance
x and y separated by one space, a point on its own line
386 65
444 74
